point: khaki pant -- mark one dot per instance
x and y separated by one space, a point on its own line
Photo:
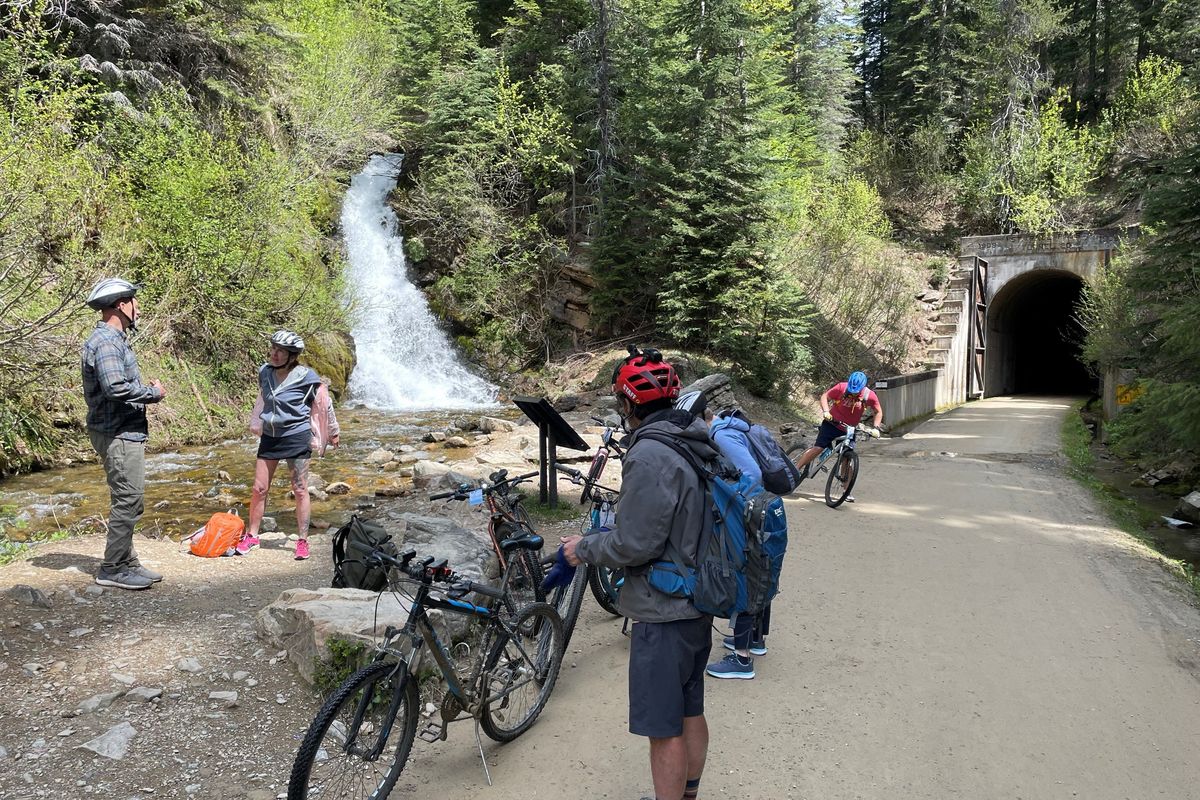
125 465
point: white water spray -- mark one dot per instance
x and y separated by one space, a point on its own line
405 361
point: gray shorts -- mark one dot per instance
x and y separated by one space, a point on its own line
666 675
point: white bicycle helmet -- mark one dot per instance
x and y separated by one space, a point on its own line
109 291
288 341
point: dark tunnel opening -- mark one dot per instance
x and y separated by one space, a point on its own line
1034 337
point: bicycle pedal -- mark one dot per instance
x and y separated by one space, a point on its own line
432 732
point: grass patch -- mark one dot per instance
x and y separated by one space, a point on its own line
1125 512
568 509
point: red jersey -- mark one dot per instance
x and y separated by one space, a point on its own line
850 410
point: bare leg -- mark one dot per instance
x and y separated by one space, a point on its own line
669 766
676 760
808 456
264 471
303 501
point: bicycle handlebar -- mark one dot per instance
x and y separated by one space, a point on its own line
427 570
464 490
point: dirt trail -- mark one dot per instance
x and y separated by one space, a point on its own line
970 627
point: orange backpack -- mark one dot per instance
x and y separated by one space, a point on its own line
219 535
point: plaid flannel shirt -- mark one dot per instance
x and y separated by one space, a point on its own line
112 386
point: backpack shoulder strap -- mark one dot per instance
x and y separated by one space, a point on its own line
669 551
678 447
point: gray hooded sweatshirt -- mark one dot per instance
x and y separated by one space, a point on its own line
662 499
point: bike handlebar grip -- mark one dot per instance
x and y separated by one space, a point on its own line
527 476
574 473
484 589
368 550
442 495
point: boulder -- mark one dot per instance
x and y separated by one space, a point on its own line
495 425
379 456
457 441
434 436
338 488
302 621
1189 508
717 388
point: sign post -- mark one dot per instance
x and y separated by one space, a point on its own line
553 431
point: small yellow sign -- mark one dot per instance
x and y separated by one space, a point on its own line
1127 393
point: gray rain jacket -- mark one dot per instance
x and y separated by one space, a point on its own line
662 499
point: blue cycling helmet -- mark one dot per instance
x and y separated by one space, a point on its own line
856 382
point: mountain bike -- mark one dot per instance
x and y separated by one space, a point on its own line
844 470
509 519
605 582
501 677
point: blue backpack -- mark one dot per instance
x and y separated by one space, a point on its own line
774 541
734 571
780 476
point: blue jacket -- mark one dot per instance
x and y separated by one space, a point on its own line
730 435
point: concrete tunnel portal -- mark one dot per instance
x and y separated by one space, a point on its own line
1034 337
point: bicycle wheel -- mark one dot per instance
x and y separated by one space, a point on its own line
525 580
521 670
359 740
794 453
567 600
605 584
841 479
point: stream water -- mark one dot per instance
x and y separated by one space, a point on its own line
409 379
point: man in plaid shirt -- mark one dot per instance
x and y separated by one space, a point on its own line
116 421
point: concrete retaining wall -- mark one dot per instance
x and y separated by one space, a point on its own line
906 397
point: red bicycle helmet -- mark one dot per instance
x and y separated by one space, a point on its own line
644 377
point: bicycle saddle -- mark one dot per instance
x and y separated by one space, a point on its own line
530 542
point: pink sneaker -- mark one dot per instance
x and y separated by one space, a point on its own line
301 549
245 544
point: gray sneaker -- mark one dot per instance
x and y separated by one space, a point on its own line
125 579
153 576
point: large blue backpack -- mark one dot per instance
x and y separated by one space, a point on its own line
734 573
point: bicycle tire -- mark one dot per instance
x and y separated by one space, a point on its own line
319 749
603 582
527 658
568 600
837 490
525 582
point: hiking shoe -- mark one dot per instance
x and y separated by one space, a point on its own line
124 579
246 544
732 666
148 574
849 498
758 647
301 549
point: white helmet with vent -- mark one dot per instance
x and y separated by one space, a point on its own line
109 291
287 340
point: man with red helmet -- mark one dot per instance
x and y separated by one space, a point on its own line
664 511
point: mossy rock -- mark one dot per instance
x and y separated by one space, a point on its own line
332 355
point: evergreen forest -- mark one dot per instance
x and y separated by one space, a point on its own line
768 182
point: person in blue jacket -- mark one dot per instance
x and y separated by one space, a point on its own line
729 430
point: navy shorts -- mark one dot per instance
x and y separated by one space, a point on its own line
666 675
827 433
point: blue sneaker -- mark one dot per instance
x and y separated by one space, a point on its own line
732 666
758 647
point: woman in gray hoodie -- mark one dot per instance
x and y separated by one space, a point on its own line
282 418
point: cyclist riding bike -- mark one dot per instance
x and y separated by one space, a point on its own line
842 404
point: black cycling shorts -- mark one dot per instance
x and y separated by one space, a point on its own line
666 675
827 433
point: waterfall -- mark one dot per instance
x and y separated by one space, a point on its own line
405 360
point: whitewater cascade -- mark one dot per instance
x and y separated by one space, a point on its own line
405 360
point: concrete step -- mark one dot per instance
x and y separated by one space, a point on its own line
961 282
946 328
942 342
